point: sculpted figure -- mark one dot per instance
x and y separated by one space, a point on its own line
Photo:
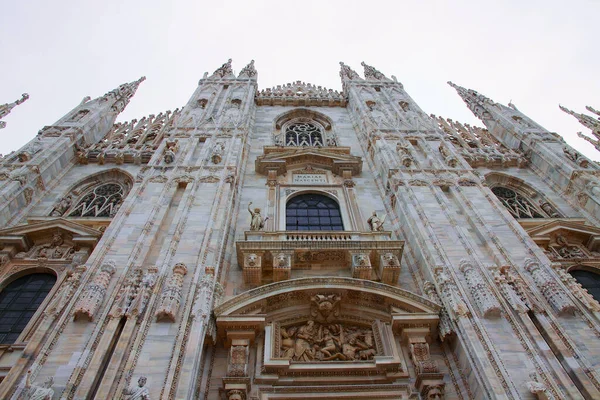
34 392
257 222
288 343
375 223
140 392
535 387
62 206
305 336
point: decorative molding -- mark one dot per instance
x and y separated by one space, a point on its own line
484 298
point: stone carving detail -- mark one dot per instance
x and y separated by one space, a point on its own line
326 342
549 287
65 292
236 394
578 291
170 150
5 109
103 200
55 250
421 358
404 153
575 156
134 293
375 223
536 388
445 326
92 297
372 73
122 95
589 122
139 392
509 292
35 392
248 71
566 250
449 159
282 266
62 206
361 266
217 153
450 294
325 308
252 269
389 268
257 222
238 361
485 299
223 71
433 392
209 294
171 294
300 93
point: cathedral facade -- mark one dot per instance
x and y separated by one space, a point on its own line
296 242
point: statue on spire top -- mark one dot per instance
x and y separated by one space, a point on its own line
248 71
5 109
223 70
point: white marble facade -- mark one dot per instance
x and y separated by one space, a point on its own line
446 272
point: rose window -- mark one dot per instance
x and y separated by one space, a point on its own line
516 204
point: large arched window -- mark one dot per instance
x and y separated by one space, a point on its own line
303 134
313 212
589 281
102 201
19 301
516 204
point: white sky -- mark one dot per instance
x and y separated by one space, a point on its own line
537 53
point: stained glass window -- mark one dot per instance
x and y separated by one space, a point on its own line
313 212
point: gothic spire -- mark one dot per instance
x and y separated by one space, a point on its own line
586 120
348 73
122 95
223 71
5 109
372 73
476 102
248 71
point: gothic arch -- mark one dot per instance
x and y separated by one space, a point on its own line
315 126
341 202
313 211
71 204
520 198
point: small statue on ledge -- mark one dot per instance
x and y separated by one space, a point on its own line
375 223
257 222
140 392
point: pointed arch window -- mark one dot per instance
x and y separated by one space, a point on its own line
518 205
19 301
313 212
102 201
303 134
589 281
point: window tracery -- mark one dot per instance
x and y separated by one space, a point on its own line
518 205
313 212
103 200
303 134
19 301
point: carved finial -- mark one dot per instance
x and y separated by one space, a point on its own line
223 70
5 109
122 95
372 73
248 71
589 122
476 102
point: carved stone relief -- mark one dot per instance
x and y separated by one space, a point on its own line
171 294
92 297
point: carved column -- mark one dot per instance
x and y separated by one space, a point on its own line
208 296
445 325
389 268
282 265
484 298
65 293
508 292
361 265
171 294
450 295
577 290
252 268
92 297
127 293
549 287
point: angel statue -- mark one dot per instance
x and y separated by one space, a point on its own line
375 223
257 222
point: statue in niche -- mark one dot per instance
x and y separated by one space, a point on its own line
62 206
140 392
327 342
34 392
257 222
375 223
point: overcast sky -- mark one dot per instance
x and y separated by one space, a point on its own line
536 53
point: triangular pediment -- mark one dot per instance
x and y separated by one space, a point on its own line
24 236
576 229
282 159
